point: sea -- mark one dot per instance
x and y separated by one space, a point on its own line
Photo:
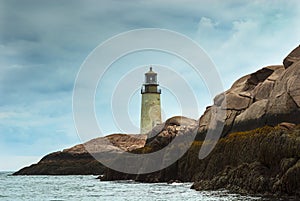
59 188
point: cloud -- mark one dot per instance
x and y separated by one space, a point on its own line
43 44
251 37
5 115
13 163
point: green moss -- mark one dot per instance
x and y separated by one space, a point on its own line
257 131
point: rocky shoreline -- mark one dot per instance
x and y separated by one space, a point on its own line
259 152
78 161
260 161
264 161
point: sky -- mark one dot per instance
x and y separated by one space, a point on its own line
43 44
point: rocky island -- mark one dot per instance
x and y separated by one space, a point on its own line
78 161
259 152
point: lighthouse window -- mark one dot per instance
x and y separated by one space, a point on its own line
150 79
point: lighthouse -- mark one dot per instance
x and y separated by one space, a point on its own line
150 110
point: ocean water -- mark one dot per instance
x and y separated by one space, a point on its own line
58 188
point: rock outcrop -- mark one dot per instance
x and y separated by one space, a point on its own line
182 128
293 57
259 151
244 160
261 161
163 134
245 103
267 97
78 161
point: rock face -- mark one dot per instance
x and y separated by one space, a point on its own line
258 161
182 128
78 161
261 161
267 97
293 57
163 134
246 103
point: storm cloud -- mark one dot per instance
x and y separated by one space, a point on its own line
43 44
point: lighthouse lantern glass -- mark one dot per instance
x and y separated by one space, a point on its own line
151 79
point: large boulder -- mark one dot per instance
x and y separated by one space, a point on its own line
284 99
267 97
253 117
293 57
163 134
244 104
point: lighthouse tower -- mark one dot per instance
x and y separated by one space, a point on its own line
150 110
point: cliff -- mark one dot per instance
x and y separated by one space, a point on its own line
262 161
